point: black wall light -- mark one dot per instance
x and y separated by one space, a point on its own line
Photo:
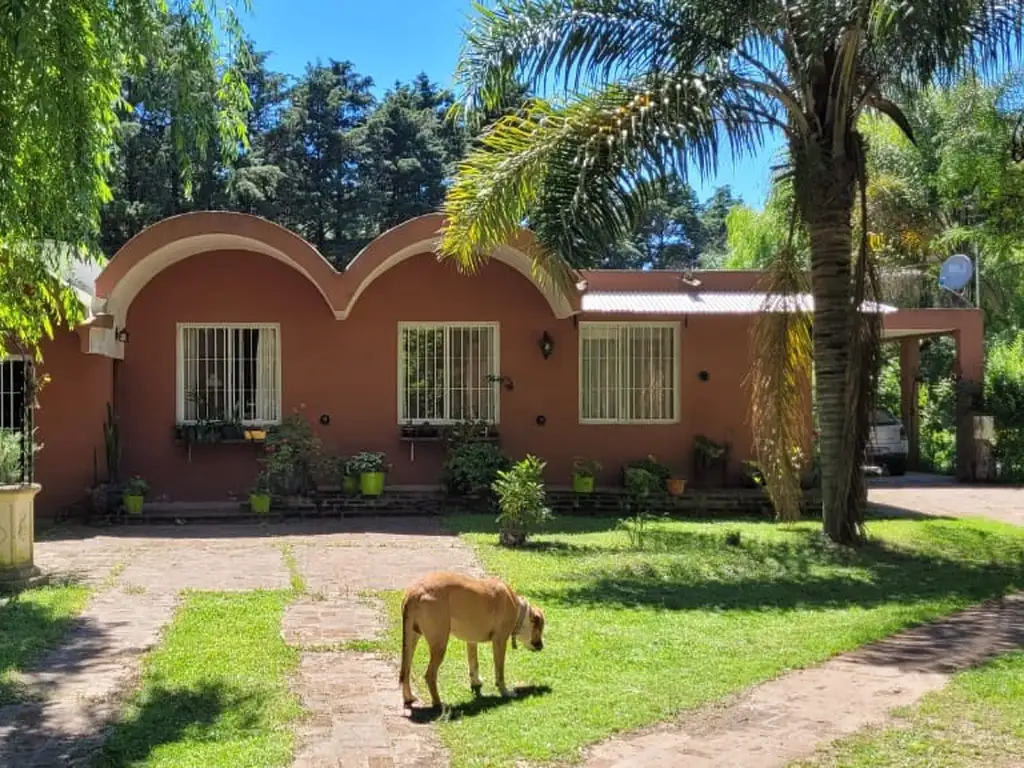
547 345
122 335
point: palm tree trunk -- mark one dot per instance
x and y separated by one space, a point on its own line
827 213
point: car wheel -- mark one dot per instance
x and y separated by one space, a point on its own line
897 466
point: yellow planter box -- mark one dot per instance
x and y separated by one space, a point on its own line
17 534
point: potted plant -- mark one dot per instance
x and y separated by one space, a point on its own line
371 467
676 485
583 473
134 495
349 476
521 501
751 475
259 494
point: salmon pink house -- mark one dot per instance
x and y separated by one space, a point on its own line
226 316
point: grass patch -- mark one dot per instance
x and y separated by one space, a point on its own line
215 693
977 720
635 637
32 622
295 577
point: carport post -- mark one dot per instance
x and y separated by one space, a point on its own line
910 410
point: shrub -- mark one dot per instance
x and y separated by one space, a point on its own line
521 501
136 486
651 465
366 462
1004 399
472 467
585 467
293 455
10 457
261 485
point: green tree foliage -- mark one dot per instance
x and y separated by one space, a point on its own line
59 115
956 188
674 231
409 151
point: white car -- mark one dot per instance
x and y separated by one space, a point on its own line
887 442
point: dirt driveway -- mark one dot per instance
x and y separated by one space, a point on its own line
932 495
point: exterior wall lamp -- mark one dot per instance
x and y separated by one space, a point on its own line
547 345
122 335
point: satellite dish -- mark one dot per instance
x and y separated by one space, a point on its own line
956 272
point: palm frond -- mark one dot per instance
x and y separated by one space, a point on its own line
779 384
918 41
583 44
579 172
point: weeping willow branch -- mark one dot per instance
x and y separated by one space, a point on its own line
779 382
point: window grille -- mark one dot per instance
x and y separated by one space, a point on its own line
444 373
16 407
229 373
629 373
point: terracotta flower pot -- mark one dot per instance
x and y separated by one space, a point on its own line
676 485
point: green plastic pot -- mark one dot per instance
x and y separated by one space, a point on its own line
582 484
371 483
350 484
133 504
259 503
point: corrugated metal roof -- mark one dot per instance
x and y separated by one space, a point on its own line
703 303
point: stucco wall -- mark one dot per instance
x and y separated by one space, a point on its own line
348 370
69 422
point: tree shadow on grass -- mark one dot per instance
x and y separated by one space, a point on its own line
167 716
477 705
27 630
798 572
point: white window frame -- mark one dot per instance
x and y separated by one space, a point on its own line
417 326
676 328
180 367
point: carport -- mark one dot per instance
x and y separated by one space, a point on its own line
908 328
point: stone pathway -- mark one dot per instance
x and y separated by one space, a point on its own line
356 716
76 691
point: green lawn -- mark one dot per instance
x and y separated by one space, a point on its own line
977 720
634 637
215 693
30 623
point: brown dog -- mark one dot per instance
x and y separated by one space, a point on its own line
474 610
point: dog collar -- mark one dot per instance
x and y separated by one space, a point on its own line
524 607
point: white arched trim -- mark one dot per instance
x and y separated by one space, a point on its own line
512 257
148 267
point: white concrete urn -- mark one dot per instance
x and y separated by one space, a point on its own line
17 534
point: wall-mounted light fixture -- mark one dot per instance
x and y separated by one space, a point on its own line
122 335
547 345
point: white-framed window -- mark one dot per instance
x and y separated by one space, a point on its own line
446 372
629 373
229 371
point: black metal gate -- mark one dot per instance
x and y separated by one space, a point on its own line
17 401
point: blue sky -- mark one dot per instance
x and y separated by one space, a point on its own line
392 40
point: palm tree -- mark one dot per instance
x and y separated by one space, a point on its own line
641 88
